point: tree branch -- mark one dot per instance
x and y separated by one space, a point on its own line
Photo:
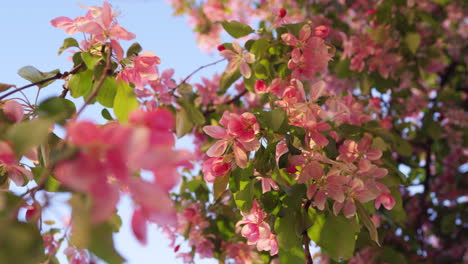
55 77
199 69
233 100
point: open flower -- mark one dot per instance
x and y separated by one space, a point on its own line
238 59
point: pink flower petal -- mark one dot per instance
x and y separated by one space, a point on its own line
139 226
215 132
217 149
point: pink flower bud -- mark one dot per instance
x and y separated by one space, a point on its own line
282 12
321 31
13 111
386 200
260 86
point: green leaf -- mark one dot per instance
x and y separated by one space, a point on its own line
134 49
106 114
260 47
227 79
434 129
51 185
342 69
34 75
183 123
334 234
56 108
80 84
278 116
366 220
391 256
295 28
5 86
20 242
68 43
242 187
193 112
102 244
289 241
366 85
413 40
402 146
29 134
237 29
90 60
107 92
350 131
219 185
125 101
398 213
442 2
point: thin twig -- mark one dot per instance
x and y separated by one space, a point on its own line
55 77
99 84
233 100
199 69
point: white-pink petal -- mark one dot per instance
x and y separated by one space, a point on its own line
217 149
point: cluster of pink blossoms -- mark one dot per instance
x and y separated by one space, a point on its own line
379 56
108 157
9 163
351 177
140 70
100 23
191 224
240 134
310 53
257 231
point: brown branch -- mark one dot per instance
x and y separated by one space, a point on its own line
199 69
306 239
55 77
233 100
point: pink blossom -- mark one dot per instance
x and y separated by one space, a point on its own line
300 43
257 231
139 226
9 165
215 167
240 253
321 31
13 111
238 60
208 89
143 71
316 57
386 200
350 150
260 86
240 132
268 184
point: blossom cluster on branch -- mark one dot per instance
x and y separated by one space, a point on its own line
337 122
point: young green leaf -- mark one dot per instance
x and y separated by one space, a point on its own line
413 40
80 84
68 43
34 75
237 29
125 101
366 220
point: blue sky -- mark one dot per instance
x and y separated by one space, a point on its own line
29 39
